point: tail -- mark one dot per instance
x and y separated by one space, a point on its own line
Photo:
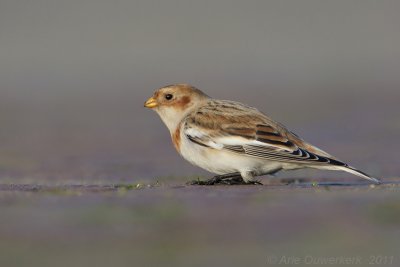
360 174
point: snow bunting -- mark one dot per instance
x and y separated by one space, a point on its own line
233 140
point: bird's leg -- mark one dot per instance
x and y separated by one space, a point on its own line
225 179
218 179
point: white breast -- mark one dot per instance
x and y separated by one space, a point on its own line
216 160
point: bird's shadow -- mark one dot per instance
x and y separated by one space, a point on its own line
300 182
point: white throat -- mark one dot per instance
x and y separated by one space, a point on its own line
171 117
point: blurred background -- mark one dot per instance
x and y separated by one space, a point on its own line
74 76
73 79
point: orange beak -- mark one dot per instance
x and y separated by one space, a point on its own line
151 103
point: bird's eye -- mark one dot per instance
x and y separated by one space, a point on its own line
168 96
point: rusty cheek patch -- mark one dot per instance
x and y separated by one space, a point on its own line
183 102
176 138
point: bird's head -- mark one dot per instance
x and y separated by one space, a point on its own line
174 102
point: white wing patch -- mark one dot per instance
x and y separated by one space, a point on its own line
193 132
252 147
220 142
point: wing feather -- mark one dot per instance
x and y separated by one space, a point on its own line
234 127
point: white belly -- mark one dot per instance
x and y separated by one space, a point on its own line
223 162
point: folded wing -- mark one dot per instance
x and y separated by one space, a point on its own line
239 129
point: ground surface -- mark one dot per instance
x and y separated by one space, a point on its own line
78 149
172 224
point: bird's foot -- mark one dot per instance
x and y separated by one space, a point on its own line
227 179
